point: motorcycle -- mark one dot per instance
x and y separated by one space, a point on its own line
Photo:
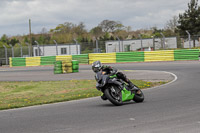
116 90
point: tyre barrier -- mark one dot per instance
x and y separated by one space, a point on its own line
58 67
67 66
75 66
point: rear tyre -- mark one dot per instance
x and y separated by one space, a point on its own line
114 95
139 96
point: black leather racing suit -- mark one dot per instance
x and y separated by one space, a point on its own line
111 70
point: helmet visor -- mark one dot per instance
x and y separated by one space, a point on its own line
95 69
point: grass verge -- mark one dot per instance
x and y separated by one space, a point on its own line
22 94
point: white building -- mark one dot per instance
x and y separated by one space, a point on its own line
52 50
187 44
137 44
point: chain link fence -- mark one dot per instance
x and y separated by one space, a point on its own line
5 53
93 47
103 47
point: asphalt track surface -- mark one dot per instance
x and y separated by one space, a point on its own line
172 108
46 74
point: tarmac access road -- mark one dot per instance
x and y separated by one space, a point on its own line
171 108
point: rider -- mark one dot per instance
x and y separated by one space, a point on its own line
108 70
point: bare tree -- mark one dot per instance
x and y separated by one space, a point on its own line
172 24
44 31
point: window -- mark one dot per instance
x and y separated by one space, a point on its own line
63 50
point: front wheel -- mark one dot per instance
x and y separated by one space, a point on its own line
139 96
114 95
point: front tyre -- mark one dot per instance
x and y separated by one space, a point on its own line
114 95
139 96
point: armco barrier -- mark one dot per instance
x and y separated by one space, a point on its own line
10 62
130 57
146 56
17 61
82 59
33 61
48 60
164 55
103 57
186 54
37 61
64 57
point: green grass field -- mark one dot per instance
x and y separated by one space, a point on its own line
22 94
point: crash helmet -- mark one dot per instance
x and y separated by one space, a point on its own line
96 66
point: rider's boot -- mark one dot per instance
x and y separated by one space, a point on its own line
131 86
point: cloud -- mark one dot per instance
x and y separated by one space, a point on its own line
49 13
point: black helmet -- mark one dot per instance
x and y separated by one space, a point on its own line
96 66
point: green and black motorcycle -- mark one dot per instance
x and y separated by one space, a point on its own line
116 90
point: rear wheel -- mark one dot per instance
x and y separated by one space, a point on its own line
114 95
139 96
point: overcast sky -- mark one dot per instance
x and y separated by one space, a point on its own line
139 14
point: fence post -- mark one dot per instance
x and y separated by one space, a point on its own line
29 49
154 43
97 46
163 40
189 38
76 46
119 43
21 49
56 47
12 50
38 46
6 55
141 42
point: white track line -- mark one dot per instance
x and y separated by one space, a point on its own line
175 78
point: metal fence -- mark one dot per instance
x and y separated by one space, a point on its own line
5 53
96 47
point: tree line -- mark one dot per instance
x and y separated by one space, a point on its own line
111 30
